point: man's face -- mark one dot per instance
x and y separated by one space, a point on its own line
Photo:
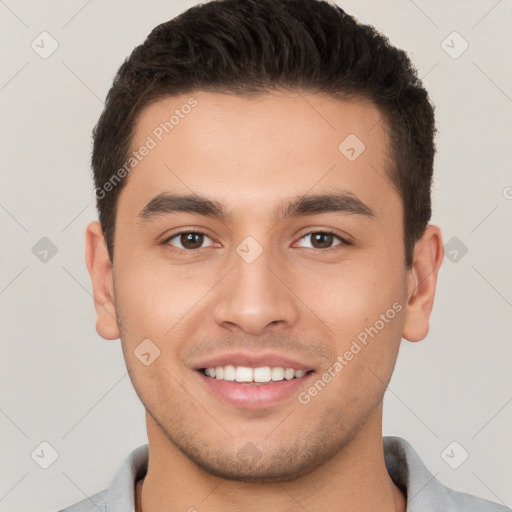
259 288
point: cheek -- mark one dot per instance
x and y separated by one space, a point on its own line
350 296
363 304
152 297
164 305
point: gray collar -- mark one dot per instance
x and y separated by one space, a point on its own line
424 493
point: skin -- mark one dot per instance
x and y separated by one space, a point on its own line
297 299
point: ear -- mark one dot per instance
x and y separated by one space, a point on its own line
100 270
422 280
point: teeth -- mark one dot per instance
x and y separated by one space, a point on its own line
229 372
261 375
243 374
289 373
277 373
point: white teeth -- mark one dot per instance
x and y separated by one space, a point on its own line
243 374
277 373
229 372
262 375
289 373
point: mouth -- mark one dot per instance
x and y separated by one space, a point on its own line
263 387
262 375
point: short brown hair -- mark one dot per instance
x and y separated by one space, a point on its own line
248 47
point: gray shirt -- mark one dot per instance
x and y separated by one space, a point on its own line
424 492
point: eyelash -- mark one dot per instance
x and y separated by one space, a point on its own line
323 232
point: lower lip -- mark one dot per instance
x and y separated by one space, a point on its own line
255 396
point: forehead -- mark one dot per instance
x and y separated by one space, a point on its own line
277 144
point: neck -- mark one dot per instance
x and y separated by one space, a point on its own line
355 478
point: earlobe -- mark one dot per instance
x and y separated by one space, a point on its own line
100 270
422 280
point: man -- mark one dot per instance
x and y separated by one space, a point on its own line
263 172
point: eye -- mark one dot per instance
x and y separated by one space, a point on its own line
193 240
187 240
323 240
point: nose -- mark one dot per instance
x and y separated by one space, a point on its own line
255 296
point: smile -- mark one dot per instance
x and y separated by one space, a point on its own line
260 388
261 375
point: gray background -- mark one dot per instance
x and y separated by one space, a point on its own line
62 384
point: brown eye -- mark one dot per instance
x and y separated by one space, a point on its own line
322 240
188 240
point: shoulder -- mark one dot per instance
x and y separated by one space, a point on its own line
455 501
424 492
120 494
95 503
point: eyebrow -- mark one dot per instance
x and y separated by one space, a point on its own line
338 202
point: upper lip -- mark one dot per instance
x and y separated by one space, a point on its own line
252 361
